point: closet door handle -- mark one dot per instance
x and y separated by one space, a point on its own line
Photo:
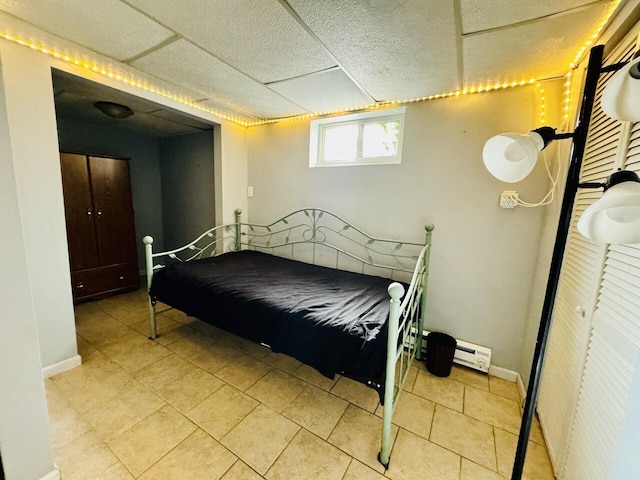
99 213
89 212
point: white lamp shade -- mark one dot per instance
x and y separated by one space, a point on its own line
615 218
621 97
510 157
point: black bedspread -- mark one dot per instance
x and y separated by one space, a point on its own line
332 320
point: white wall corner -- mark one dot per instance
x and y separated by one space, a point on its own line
62 366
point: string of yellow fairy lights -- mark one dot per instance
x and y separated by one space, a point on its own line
132 80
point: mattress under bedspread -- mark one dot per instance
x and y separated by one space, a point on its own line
332 320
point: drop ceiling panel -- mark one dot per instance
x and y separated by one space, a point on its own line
221 109
394 49
185 64
323 92
258 37
106 26
480 15
540 49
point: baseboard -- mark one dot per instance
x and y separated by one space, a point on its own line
503 373
522 390
62 366
52 475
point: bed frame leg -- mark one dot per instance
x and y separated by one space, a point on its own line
396 291
148 254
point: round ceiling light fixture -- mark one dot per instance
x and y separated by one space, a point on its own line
113 110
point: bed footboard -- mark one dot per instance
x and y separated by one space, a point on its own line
404 342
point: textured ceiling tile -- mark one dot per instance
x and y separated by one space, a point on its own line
480 15
106 26
540 49
323 92
185 64
395 49
258 37
228 112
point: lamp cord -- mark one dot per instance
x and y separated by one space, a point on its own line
550 195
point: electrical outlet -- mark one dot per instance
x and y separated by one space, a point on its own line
508 199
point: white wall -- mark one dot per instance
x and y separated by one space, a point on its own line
34 143
144 152
37 274
483 257
24 426
187 187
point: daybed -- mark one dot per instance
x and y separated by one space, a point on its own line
309 285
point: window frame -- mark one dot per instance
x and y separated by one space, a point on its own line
320 126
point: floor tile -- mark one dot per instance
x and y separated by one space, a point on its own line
117 472
282 361
86 456
198 456
473 471
432 463
309 457
471 377
537 465
412 413
241 471
316 410
440 390
192 346
179 382
137 400
260 438
314 377
277 389
359 434
149 440
216 357
465 436
359 471
132 403
504 388
136 352
222 411
356 393
494 409
243 372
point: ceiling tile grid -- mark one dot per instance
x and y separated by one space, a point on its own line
106 26
541 49
323 92
395 49
256 59
258 37
183 63
479 15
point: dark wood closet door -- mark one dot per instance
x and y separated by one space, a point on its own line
111 190
79 213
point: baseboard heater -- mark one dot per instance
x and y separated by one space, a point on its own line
467 354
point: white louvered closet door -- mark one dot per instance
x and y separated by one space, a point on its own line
575 299
612 357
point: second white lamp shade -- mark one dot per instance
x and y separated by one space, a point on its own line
614 218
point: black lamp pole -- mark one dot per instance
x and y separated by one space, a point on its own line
571 188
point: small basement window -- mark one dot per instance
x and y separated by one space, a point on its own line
370 138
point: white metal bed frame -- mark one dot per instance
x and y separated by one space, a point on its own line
322 238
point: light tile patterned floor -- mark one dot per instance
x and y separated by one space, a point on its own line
200 403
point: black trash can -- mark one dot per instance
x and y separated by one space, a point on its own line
440 351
